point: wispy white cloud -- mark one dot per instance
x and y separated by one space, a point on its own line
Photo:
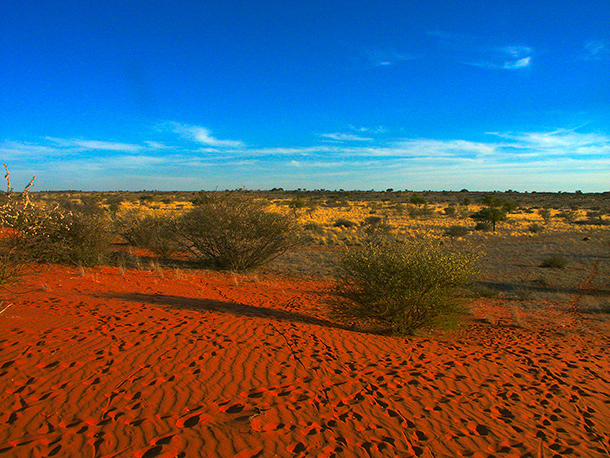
386 57
156 145
473 51
14 149
565 142
517 52
203 135
96 145
346 137
507 65
534 154
596 50
373 130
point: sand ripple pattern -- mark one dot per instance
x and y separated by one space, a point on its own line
208 364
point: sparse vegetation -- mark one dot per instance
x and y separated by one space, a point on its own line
402 286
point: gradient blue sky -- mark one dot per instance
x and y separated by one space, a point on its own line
190 95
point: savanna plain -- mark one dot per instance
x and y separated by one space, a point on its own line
305 323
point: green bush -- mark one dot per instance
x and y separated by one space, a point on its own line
490 215
231 231
402 285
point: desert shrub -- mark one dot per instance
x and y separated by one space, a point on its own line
568 215
545 214
424 210
490 216
483 226
313 227
416 199
231 231
9 268
53 235
152 232
342 222
56 236
456 231
372 220
450 210
535 228
402 285
554 261
596 216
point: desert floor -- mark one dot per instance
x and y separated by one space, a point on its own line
189 363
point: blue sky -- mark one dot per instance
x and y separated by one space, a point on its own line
328 94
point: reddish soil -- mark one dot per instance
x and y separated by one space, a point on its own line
175 364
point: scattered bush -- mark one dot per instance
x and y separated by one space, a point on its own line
535 228
233 232
402 286
555 261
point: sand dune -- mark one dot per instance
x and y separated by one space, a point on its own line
175 364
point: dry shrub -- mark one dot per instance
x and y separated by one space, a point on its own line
232 231
10 267
402 285
457 231
554 261
155 233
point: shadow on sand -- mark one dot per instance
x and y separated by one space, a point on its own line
232 308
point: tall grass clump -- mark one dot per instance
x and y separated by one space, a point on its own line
232 231
402 286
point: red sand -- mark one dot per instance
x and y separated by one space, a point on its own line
152 364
